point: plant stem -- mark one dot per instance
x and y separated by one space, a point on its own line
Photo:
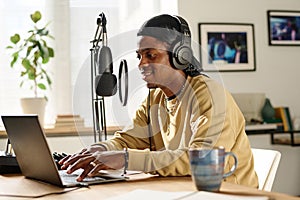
35 88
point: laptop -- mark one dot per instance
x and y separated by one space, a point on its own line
35 158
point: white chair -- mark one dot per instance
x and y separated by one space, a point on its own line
265 164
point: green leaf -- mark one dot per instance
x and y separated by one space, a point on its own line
42 31
15 38
35 17
36 56
13 62
26 63
42 86
50 36
48 80
51 52
45 60
23 73
42 50
28 51
32 40
31 75
15 58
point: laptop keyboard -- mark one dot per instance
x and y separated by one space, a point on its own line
71 178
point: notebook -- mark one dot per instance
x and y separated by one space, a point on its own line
34 156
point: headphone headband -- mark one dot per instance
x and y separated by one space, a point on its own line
184 28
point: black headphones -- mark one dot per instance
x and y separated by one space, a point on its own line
181 54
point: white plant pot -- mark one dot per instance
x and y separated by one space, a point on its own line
34 106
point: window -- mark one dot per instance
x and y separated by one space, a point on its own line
14 19
73 24
124 17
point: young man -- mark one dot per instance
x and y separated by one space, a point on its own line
184 109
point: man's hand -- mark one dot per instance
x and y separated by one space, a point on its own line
92 161
70 159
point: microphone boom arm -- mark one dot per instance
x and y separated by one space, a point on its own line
98 106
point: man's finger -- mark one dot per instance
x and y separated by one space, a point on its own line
80 163
97 168
85 172
72 160
64 159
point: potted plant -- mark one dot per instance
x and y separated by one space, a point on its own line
30 57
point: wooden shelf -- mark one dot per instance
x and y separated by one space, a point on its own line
280 137
68 131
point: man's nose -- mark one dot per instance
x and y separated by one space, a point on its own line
143 63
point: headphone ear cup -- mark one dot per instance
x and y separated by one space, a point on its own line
182 56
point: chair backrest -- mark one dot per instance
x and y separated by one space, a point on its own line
266 162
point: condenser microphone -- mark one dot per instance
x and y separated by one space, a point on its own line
106 81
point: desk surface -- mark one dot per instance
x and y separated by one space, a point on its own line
104 191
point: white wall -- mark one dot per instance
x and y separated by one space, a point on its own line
277 69
288 177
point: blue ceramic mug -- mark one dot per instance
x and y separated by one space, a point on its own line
207 167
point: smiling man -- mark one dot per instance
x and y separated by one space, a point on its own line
184 109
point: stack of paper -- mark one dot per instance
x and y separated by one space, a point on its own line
69 121
152 194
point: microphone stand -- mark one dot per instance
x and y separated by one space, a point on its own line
99 117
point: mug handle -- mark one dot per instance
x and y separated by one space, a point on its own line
233 167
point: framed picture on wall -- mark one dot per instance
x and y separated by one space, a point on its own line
227 46
284 27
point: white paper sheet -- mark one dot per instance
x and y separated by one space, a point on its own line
153 194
